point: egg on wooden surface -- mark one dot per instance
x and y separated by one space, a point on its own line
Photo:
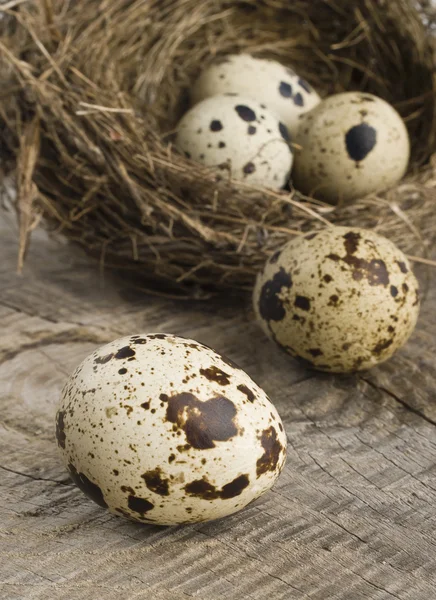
343 299
239 137
349 146
282 90
164 430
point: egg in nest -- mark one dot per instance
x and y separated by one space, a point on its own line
238 137
164 430
343 299
349 146
280 88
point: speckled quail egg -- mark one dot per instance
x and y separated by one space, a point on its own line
344 299
278 87
164 430
351 145
239 137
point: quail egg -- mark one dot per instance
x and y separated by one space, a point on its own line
344 299
280 88
240 138
164 430
350 145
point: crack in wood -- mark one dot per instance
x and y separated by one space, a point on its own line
403 403
65 482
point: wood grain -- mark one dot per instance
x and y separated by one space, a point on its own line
352 518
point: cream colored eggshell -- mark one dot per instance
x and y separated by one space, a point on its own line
164 430
351 145
237 136
283 91
344 299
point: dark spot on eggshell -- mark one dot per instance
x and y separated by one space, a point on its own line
245 112
216 125
126 352
403 267
249 168
60 428
88 487
145 405
222 145
122 371
285 89
306 87
352 240
315 352
298 99
382 345
271 452
204 423
251 130
302 303
405 288
333 300
235 487
213 373
284 132
171 458
394 291
158 336
246 390
139 505
140 341
270 305
102 360
375 271
203 489
156 482
360 140
328 278
184 448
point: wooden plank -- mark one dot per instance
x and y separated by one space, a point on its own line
352 517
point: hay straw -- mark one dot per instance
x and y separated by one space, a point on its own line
96 87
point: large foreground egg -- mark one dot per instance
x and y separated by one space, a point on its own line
164 430
351 145
344 299
240 138
283 91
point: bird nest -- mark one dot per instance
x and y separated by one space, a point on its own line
95 88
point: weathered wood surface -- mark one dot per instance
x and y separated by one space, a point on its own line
353 517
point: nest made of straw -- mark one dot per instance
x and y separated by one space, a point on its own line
96 86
